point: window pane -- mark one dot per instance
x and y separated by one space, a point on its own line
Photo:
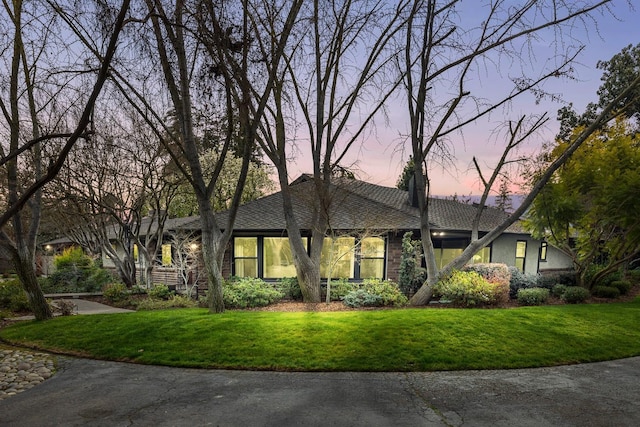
543 251
247 267
372 247
521 249
245 247
520 264
278 259
482 256
372 268
337 257
166 255
449 255
136 253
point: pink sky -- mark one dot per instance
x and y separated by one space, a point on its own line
380 159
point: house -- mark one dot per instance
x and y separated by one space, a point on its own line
367 223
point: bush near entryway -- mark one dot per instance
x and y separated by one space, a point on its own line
469 289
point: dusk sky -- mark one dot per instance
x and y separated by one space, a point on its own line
380 159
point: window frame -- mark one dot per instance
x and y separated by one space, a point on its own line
544 249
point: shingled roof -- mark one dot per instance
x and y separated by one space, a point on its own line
358 205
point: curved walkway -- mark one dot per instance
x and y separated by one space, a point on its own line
99 393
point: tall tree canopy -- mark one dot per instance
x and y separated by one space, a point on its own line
590 208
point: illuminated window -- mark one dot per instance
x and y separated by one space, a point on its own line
166 255
338 258
372 258
245 256
521 254
482 256
543 251
136 253
278 258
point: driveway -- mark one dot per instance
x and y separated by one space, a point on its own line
96 393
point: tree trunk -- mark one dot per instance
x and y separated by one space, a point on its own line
24 264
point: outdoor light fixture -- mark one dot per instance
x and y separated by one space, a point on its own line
48 248
194 246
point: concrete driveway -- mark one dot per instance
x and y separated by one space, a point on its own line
96 393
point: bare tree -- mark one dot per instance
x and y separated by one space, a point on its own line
40 100
206 45
116 193
442 54
337 78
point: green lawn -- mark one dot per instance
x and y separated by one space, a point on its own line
382 340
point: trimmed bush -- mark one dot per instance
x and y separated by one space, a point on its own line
623 286
550 280
519 280
388 291
468 289
115 292
340 288
559 290
249 292
290 288
575 295
174 301
362 298
13 297
605 292
533 296
160 291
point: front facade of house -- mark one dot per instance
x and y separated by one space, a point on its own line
368 223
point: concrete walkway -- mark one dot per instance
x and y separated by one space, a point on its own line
85 307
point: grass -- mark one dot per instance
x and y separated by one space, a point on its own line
384 340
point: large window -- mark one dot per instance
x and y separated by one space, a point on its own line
277 258
521 254
372 258
452 249
245 256
337 259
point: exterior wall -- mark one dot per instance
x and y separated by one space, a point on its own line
556 261
503 250
394 255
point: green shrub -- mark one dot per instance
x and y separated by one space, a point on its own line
605 292
137 290
13 297
495 273
71 258
340 288
290 288
468 289
115 292
575 295
160 291
361 298
387 290
550 280
249 292
532 296
633 276
76 272
519 280
174 301
623 286
559 290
